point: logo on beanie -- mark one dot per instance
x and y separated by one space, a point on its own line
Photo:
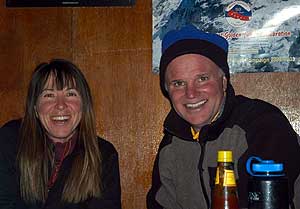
238 13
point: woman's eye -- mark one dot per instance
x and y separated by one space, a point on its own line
48 95
72 94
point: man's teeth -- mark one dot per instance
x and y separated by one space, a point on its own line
195 105
60 118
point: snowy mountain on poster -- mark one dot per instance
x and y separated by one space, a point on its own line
252 50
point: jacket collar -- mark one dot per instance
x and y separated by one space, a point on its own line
177 126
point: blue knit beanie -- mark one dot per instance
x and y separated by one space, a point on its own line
190 40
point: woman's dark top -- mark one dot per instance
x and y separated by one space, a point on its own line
9 179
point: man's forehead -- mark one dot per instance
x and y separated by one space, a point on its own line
189 63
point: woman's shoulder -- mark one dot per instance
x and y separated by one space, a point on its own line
9 132
12 124
106 148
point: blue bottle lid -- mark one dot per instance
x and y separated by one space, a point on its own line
264 168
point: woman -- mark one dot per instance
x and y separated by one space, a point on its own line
55 159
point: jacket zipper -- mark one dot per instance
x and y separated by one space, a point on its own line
202 144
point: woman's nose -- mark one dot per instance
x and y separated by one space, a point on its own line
60 102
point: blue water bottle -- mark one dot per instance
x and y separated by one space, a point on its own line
268 185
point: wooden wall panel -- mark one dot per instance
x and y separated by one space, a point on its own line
133 125
96 30
112 46
10 67
28 37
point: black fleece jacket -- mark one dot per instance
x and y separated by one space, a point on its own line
184 169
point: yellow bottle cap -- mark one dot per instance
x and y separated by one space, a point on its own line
225 156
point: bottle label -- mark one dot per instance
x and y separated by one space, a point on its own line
217 176
229 178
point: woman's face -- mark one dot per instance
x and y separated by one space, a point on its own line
59 111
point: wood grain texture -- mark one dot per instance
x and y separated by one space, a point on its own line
113 47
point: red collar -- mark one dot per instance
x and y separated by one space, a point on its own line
61 151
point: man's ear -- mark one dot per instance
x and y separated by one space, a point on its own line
224 80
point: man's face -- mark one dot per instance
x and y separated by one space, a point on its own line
196 87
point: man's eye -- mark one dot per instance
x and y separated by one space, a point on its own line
203 78
178 83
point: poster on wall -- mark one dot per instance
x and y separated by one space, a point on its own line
263 36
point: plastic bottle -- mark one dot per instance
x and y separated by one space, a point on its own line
268 186
224 195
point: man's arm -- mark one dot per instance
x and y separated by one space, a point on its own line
296 198
271 136
156 182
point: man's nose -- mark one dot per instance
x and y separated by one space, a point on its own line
191 91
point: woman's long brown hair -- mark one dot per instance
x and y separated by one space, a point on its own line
34 152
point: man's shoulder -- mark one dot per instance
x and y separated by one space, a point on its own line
247 112
256 107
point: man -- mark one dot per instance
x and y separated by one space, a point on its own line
207 116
